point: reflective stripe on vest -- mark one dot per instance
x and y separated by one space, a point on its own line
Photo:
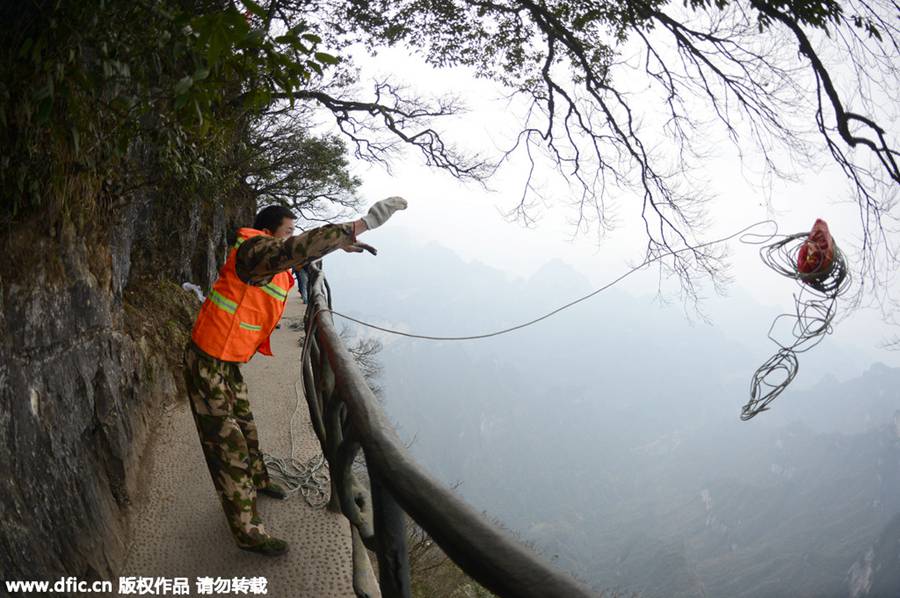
223 302
275 291
247 326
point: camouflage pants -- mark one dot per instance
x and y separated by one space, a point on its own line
218 398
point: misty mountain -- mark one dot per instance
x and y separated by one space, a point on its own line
609 434
877 572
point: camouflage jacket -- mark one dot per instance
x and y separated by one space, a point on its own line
262 257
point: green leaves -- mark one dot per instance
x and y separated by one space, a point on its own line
232 52
183 85
176 78
326 58
818 13
254 8
868 26
43 97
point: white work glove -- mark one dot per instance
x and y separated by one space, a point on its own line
382 210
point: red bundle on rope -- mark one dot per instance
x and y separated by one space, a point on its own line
816 261
816 255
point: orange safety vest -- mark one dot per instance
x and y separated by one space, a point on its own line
237 318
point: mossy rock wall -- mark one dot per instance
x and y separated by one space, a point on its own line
92 325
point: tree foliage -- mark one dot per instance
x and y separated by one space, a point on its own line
99 99
623 96
288 165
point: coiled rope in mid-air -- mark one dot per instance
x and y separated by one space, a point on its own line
814 310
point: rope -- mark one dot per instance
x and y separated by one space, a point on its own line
745 235
813 322
814 310
312 478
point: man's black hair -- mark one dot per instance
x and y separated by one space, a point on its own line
271 217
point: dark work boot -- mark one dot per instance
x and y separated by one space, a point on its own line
274 490
271 546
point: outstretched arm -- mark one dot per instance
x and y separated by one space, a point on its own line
262 257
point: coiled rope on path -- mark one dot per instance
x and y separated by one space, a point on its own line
310 478
814 318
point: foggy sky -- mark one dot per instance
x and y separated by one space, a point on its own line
468 219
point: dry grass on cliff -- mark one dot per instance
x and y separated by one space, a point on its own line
161 313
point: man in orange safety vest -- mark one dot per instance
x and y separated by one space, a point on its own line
241 311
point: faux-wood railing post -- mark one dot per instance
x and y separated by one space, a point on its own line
331 414
310 386
390 541
334 436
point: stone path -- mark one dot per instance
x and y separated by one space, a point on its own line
178 528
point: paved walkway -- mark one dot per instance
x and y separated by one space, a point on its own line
178 528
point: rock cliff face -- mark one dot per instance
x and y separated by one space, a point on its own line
92 324
877 571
